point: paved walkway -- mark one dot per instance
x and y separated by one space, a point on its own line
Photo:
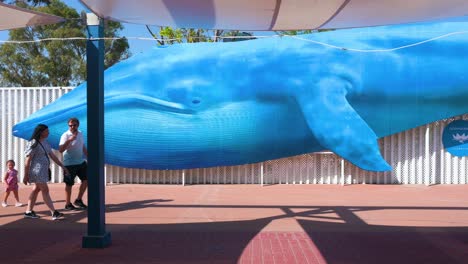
251 224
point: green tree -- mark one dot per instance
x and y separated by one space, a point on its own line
54 63
300 32
293 32
169 35
235 35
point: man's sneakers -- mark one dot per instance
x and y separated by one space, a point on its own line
31 214
57 215
79 203
70 207
4 204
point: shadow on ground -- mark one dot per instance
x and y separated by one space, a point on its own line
332 234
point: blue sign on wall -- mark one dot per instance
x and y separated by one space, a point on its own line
455 138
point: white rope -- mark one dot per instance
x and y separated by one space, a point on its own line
74 38
39 40
380 50
245 37
117 38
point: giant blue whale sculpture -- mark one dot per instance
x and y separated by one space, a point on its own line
216 104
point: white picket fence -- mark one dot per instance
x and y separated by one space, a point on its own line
417 156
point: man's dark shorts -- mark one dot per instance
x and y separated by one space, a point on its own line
80 170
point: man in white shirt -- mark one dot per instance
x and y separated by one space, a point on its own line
72 146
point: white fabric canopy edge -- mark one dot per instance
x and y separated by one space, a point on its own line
12 17
262 15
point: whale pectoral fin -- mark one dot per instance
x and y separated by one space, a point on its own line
339 128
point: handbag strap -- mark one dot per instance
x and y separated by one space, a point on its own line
46 154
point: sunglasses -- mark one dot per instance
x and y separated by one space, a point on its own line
73 125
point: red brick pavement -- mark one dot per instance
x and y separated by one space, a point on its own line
251 224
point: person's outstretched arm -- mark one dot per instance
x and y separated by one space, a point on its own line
85 151
58 162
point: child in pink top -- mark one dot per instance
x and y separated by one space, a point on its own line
11 183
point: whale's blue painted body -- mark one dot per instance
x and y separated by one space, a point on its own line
215 104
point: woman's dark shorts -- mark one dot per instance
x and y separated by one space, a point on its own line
80 170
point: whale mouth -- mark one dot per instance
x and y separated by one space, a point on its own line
155 103
171 106
121 101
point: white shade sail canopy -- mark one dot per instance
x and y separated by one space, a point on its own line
12 17
275 14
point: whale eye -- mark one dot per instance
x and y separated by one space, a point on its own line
196 101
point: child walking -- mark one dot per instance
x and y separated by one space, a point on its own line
11 183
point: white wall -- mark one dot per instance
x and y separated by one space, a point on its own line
417 156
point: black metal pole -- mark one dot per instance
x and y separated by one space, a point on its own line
97 237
